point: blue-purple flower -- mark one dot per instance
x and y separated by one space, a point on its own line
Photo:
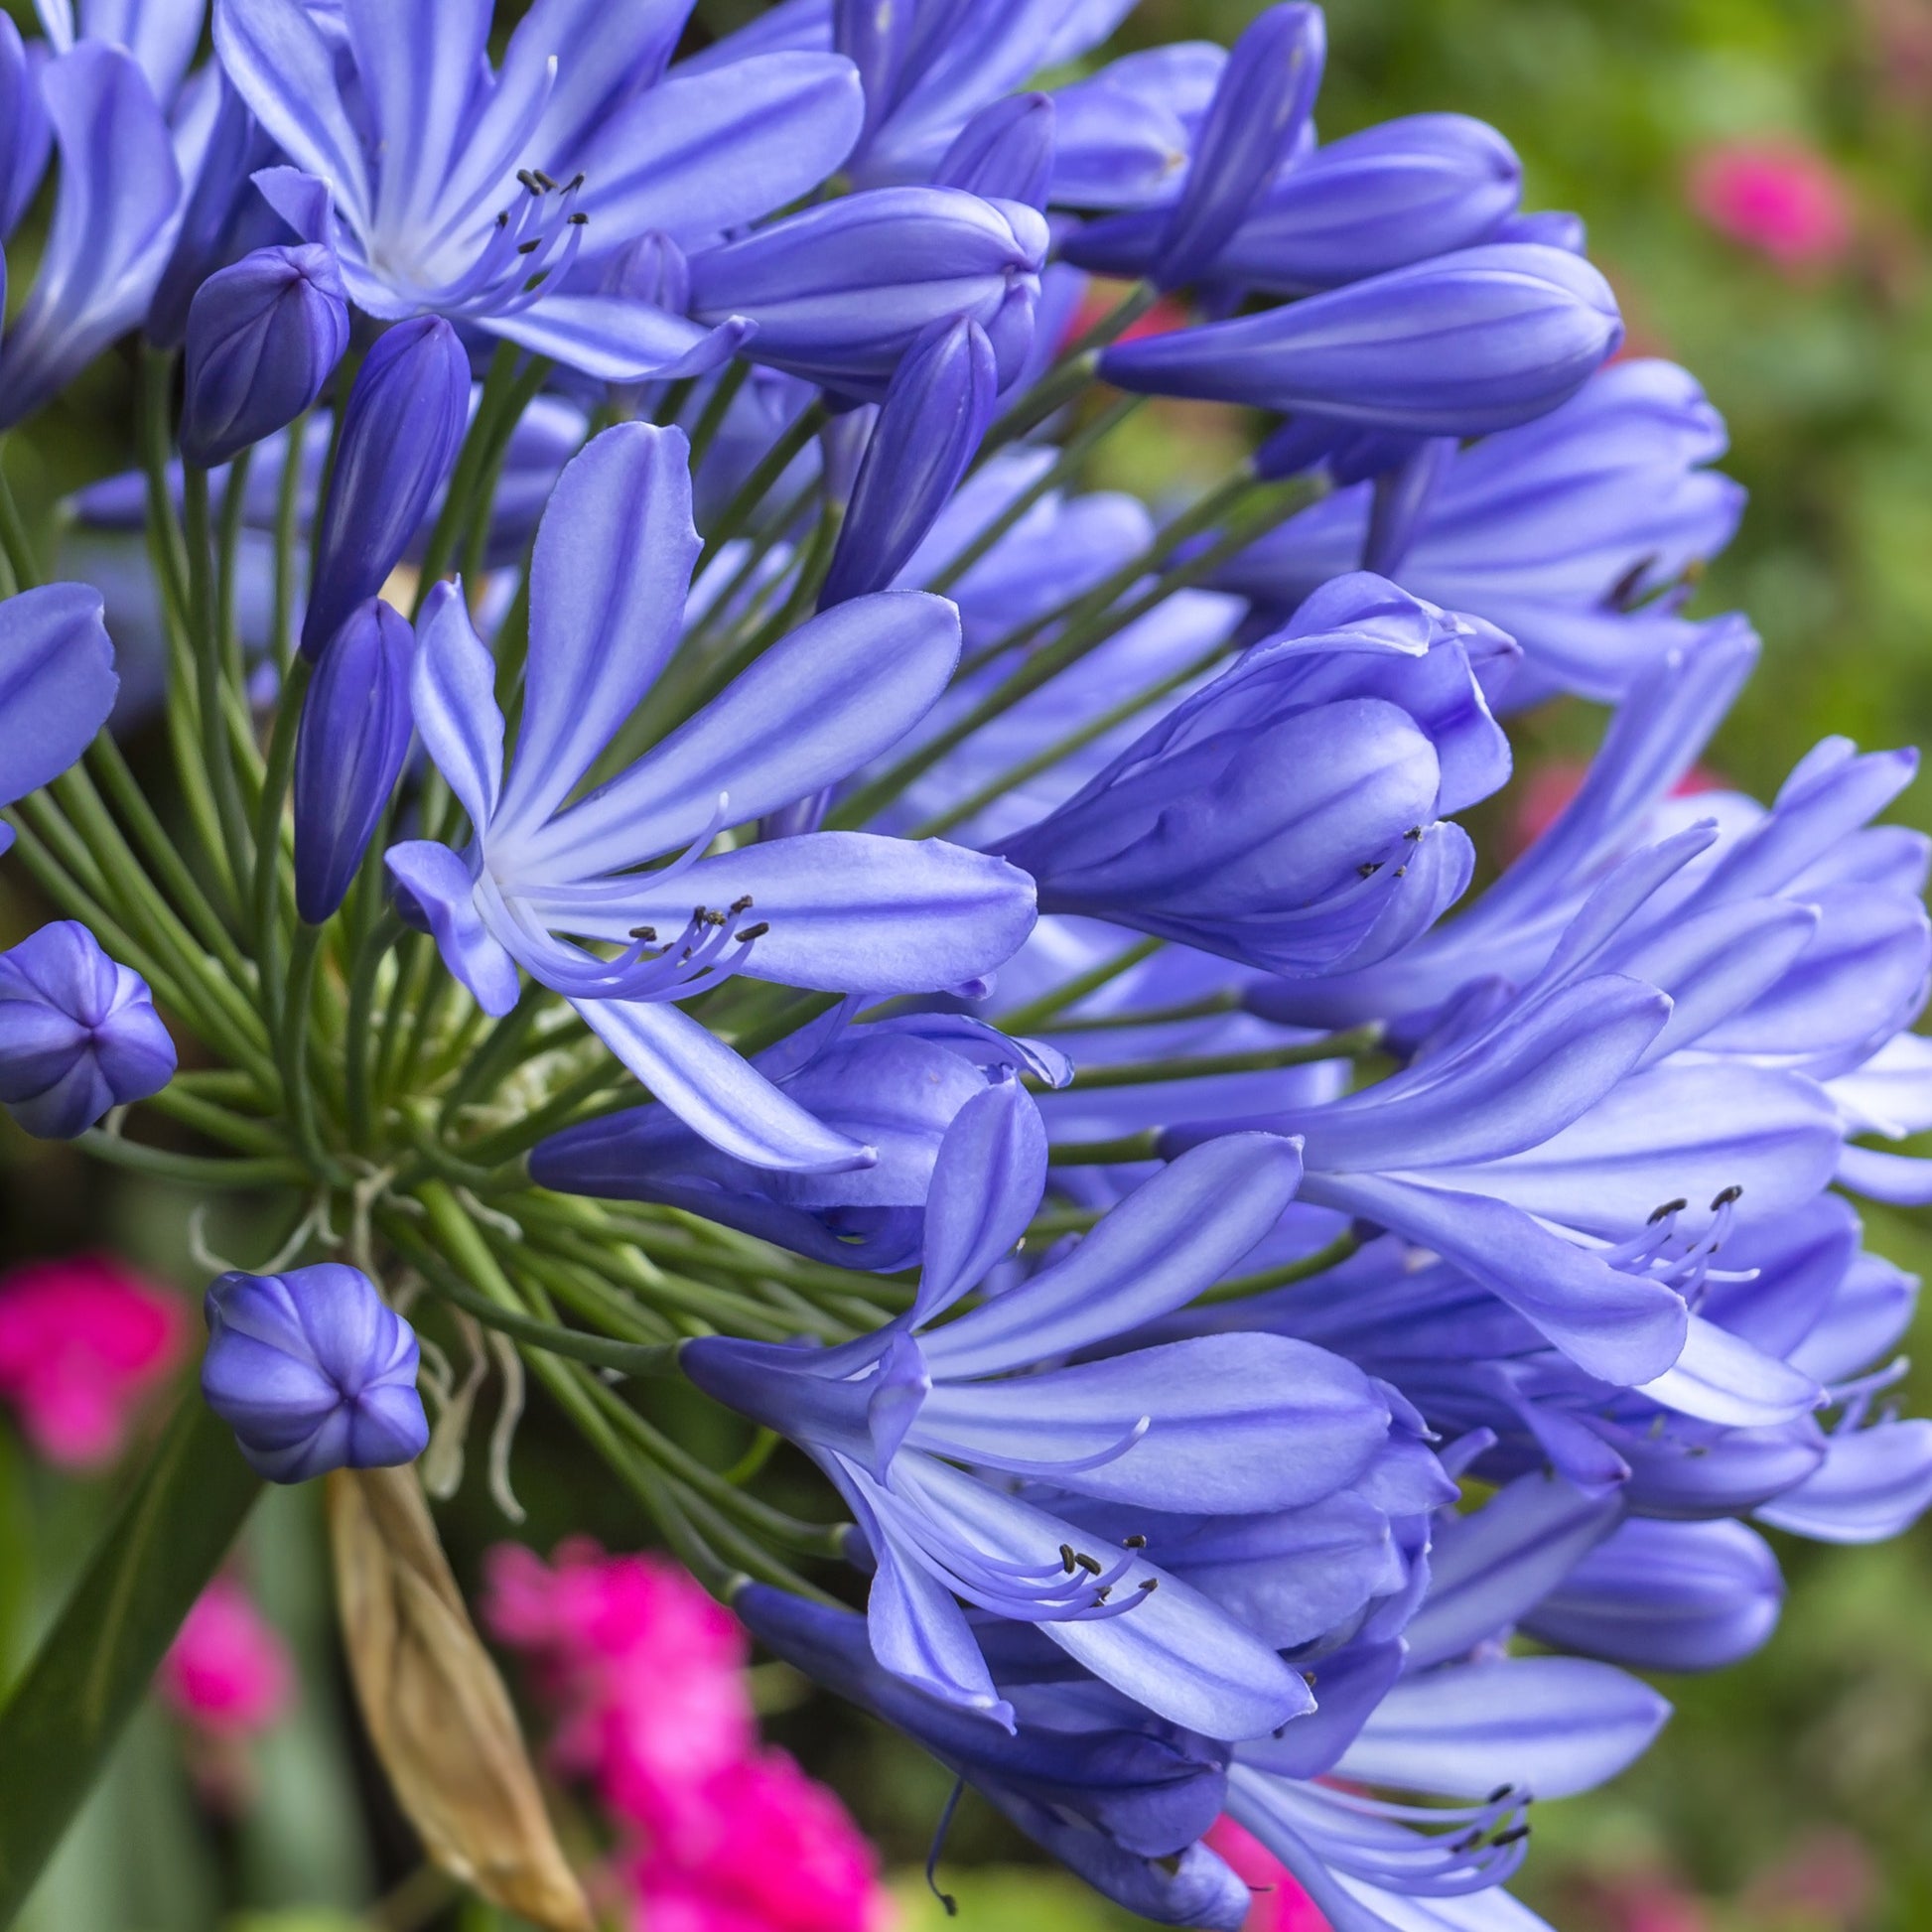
840 912
313 1371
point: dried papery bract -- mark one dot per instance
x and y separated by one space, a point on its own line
436 1709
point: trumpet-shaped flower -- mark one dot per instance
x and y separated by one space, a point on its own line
840 912
474 193
1232 1428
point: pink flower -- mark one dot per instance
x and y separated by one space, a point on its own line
1784 201
1281 1905
228 1671
767 1850
646 1670
647 1673
82 1341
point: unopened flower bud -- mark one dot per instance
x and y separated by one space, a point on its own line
401 431
263 335
353 736
79 1033
928 430
313 1371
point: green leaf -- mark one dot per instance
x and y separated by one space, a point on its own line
65 1716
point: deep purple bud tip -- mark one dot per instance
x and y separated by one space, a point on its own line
79 1033
263 336
313 1371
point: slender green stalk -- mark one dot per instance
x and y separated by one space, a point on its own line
190 1170
359 1036
1241 1286
287 513
209 668
759 485
268 835
12 534
1134 1073
1036 1012
292 1051
94 1666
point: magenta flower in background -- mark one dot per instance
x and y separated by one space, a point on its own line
647 1673
1281 1905
83 1341
228 1672
1777 198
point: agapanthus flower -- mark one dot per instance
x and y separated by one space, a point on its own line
115 211
1234 1430
476 193
57 685
1574 534
842 911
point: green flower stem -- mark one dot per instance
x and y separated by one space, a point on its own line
288 516
490 476
711 419
224 982
563 1109
1145 1146
499 1307
573 1397
14 540
723 612
1036 1012
269 869
1066 464
1118 320
164 527
498 383
1203 1009
93 1668
219 1123
292 1053
160 850
359 1037
1089 619
759 484
190 1170
211 687
808 1539
1333 1256
1072 376
1133 1073
1017 774
500 1054
582 1287
228 553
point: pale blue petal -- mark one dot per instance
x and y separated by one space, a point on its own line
452 691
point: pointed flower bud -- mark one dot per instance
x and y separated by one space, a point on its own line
929 427
401 431
79 1033
1467 343
349 753
263 335
1258 114
841 291
1005 152
313 1371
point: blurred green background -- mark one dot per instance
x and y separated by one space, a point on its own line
1791 1795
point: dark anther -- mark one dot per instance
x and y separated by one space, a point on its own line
1510 1837
1307 1677
1369 869
528 247
1664 1213
1091 1564
1066 1558
1414 835
574 183
644 933
741 904
1624 591
503 218
1102 1593
1402 872
580 220
1501 1792
1148 1584
1724 1200
1467 1843
548 184
530 181
1133 1543
756 931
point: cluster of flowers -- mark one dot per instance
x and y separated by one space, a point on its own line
982 877
647 1673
